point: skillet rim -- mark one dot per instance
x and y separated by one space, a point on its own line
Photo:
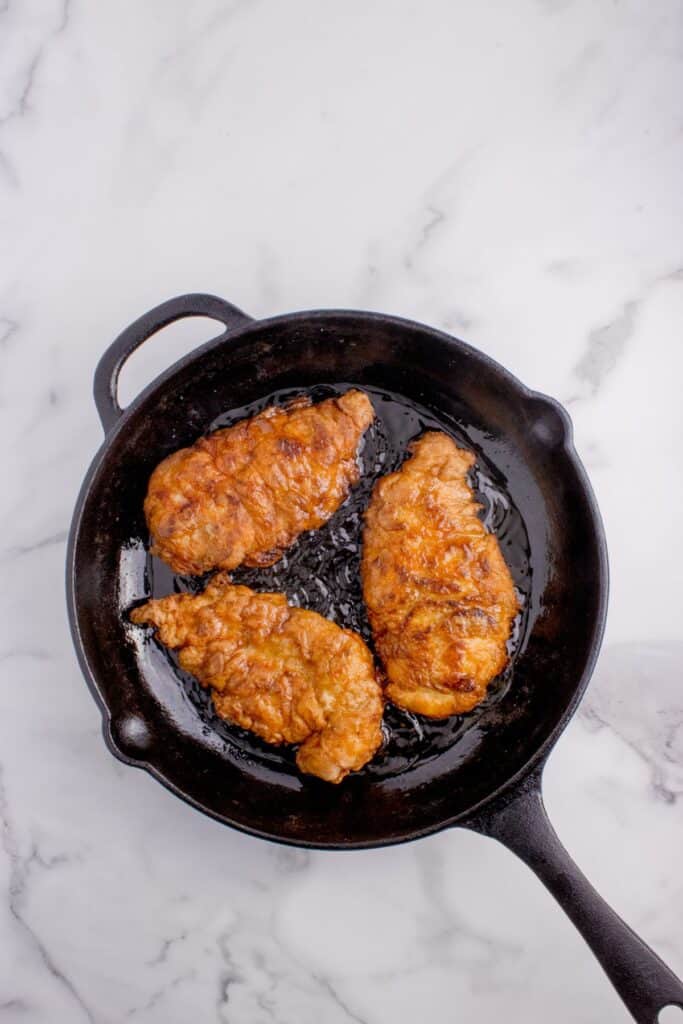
527 395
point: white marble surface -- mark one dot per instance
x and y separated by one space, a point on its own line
510 171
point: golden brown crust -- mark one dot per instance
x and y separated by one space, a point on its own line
439 595
244 494
289 675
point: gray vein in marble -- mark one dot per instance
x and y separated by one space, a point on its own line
14 1004
265 1000
605 347
606 344
66 11
370 280
166 946
435 216
8 170
433 213
22 104
265 970
652 728
607 107
19 869
159 994
19 550
328 987
8 328
288 860
568 80
595 720
224 12
323 982
445 924
30 654
229 976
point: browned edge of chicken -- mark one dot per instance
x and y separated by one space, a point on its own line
286 674
439 595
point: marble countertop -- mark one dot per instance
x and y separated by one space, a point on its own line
509 172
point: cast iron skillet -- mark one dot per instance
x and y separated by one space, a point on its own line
486 775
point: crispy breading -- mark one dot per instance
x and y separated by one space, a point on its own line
440 597
288 675
243 494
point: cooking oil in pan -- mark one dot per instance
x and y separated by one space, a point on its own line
321 571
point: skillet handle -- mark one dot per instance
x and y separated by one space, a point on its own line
643 981
107 373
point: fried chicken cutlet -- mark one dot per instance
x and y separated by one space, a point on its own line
243 494
288 675
440 597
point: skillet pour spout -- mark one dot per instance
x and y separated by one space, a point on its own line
482 772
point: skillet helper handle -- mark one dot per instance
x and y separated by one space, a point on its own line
643 981
105 386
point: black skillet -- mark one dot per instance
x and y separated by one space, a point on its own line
482 771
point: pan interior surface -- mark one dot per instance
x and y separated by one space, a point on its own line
427 773
321 571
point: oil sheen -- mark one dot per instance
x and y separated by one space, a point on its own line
321 571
